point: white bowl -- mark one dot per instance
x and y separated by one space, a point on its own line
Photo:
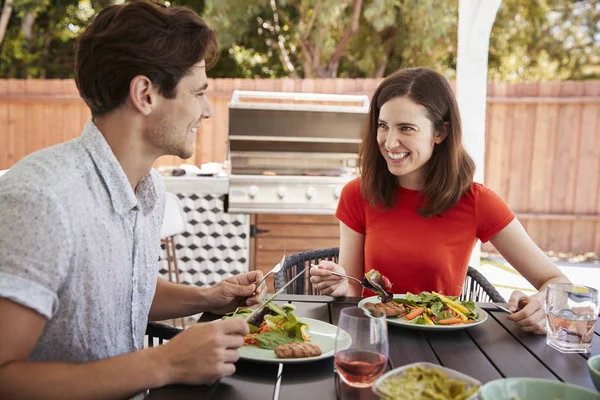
449 372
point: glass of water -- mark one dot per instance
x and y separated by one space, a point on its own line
571 313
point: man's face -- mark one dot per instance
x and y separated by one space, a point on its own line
175 125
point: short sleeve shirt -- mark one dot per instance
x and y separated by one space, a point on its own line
79 246
418 253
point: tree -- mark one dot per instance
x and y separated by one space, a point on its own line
307 36
329 38
546 40
245 52
39 40
531 40
5 17
407 33
321 55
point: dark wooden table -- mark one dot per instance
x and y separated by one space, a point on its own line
493 350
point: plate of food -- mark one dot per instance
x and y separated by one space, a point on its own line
426 381
279 336
428 311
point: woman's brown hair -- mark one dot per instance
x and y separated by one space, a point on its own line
139 38
450 169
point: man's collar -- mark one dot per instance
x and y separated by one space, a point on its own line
121 193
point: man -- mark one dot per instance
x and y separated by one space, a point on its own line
80 224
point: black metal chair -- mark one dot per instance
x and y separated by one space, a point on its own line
157 333
476 286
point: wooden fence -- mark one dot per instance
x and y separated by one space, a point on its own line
542 142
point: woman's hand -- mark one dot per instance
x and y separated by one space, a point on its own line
325 282
515 245
528 312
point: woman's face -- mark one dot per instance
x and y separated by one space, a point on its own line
406 139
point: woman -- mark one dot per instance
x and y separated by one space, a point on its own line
415 213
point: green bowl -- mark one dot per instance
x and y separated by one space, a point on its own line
594 367
534 389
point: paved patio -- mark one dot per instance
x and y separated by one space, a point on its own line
506 279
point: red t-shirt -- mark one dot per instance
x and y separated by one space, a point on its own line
418 253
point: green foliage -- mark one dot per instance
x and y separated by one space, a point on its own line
531 40
406 33
49 51
245 52
546 40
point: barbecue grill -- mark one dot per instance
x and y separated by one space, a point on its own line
292 152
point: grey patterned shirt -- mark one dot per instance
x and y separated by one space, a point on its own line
78 246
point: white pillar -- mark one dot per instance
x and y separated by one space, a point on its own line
475 21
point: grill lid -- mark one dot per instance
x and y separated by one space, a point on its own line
294 133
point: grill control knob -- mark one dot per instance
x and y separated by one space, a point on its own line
281 192
253 191
338 192
311 193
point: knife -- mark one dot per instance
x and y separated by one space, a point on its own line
506 310
270 299
522 303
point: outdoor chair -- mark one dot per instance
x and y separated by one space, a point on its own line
174 223
157 333
476 287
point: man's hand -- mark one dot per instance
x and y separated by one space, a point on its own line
204 352
528 312
236 291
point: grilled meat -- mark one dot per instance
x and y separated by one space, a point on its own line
297 350
391 309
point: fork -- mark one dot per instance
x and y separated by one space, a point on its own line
275 269
386 294
345 276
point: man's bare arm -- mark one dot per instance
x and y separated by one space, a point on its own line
200 354
119 377
172 300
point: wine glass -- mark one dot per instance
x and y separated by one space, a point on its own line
361 346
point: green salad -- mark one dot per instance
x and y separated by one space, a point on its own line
273 326
431 308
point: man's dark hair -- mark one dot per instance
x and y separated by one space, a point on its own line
139 38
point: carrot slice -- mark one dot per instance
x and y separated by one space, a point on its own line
415 313
264 327
449 321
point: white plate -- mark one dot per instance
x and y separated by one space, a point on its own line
483 316
450 372
320 333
